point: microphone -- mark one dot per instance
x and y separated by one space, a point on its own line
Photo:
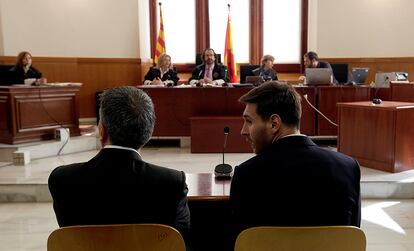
199 76
223 171
376 100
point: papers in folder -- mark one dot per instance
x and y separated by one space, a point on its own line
63 84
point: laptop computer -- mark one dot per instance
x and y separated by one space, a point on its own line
255 80
383 79
318 76
359 75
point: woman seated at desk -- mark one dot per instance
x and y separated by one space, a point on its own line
163 73
266 71
23 72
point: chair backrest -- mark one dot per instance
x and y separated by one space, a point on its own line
340 71
332 238
5 74
137 237
246 70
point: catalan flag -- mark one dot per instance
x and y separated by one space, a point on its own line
228 51
160 48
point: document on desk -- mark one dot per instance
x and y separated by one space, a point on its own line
62 84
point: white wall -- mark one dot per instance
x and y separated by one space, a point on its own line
70 28
361 28
144 31
120 28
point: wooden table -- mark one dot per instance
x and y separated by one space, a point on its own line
32 113
208 200
378 136
204 186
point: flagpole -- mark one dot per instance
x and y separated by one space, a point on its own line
228 50
160 46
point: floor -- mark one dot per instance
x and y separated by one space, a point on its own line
387 223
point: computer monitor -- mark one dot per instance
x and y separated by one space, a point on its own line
255 80
359 75
246 70
318 76
383 79
401 76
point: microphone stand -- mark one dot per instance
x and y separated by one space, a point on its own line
223 171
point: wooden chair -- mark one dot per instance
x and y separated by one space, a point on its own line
332 238
137 237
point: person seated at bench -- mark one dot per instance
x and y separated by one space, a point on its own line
23 70
266 71
210 72
291 181
117 186
162 74
311 60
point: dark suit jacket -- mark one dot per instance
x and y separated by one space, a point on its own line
155 72
219 72
117 187
17 75
266 75
296 183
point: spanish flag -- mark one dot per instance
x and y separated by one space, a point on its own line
160 48
228 52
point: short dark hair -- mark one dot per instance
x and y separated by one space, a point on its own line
275 97
311 55
128 114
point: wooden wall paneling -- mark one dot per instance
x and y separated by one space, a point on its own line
57 69
100 74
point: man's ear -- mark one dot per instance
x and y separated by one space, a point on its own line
103 134
275 122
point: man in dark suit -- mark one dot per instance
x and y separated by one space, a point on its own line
291 181
117 186
210 72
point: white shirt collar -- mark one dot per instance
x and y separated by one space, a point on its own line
291 135
123 148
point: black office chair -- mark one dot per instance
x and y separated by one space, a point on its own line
5 74
340 71
246 70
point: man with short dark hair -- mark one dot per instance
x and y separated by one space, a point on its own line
291 181
311 60
117 186
210 72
